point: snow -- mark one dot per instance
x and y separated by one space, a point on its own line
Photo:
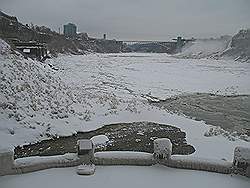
99 140
30 161
123 177
83 93
4 47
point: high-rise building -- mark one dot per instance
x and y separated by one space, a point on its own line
69 30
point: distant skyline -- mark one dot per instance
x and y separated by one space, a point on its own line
136 19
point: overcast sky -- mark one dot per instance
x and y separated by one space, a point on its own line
136 19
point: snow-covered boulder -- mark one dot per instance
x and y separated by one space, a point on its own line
86 169
100 141
162 148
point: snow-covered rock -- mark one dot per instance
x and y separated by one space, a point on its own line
86 169
100 140
162 148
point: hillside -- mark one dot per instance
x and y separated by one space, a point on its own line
240 46
13 31
236 48
204 48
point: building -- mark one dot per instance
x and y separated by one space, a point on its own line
69 30
32 49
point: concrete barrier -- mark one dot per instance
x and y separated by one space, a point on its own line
195 163
124 158
162 155
31 164
6 161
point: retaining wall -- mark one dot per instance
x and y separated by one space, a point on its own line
124 158
195 163
31 164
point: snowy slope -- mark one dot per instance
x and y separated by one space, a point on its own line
81 93
31 94
204 48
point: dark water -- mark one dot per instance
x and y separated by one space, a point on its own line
231 113
137 136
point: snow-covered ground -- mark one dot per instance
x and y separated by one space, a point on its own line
124 177
81 93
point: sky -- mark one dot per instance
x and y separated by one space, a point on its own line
136 19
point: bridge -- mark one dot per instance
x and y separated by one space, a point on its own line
176 40
132 42
157 46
